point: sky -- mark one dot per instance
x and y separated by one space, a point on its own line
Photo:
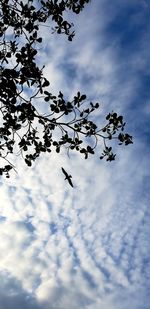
86 247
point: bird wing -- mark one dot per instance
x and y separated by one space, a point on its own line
70 182
65 173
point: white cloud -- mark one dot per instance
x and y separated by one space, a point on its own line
85 247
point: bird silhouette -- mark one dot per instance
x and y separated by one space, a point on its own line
68 177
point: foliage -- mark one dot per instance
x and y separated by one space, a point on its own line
22 127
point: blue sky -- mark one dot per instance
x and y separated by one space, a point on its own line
86 247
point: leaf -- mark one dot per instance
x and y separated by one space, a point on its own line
90 150
46 99
46 83
83 97
28 162
83 150
39 40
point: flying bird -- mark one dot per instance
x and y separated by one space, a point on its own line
68 177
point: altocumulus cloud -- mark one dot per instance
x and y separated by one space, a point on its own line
88 247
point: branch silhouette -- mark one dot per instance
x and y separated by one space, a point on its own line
23 128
